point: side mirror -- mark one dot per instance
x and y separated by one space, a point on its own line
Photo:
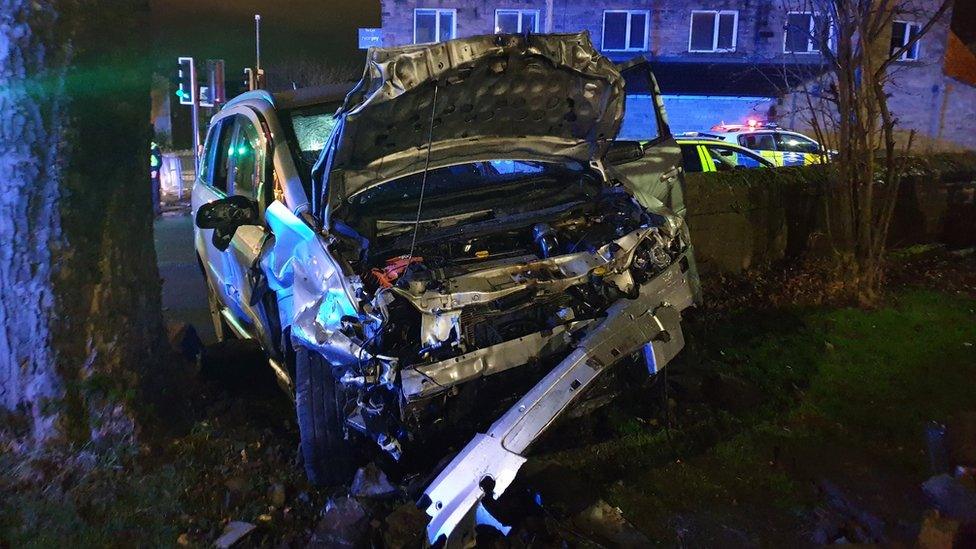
621 152
224 216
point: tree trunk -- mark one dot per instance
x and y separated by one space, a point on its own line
80 305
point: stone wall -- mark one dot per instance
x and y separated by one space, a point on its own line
746 219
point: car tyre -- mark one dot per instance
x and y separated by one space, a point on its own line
318 405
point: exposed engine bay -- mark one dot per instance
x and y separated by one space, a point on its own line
482 294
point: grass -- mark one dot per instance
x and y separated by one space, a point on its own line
191 487
846 394
841 394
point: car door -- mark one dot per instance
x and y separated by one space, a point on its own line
653 176
213 184
250 177
725 157
763 143
798 150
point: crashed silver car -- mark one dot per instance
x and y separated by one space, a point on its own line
475 206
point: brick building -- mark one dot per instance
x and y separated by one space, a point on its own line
716 60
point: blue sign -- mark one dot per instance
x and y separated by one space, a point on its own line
370 37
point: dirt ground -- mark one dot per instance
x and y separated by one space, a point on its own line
778 425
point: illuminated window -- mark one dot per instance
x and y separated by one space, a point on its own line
902 33
713 31
516 21
625 30
433 25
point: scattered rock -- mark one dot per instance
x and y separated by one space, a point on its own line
962 439
607 523
233 532
343 524
952 498
937 532
184 340
371 482
405 526
277 494
843 519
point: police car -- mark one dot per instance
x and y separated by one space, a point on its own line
779 146
710 154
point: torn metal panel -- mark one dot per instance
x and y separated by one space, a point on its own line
493 458
429 379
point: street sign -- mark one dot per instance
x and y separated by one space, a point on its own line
370 37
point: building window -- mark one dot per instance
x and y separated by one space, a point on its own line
902 33
625 30
713 31
433 25
805 32
516 21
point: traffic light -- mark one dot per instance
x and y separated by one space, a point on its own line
184 80
248 80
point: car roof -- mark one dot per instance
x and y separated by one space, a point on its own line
709 141
723 135
303 97
290 99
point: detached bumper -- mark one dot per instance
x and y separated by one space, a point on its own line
492 460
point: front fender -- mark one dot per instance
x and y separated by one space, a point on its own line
313 294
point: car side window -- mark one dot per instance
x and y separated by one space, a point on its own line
222 155
735 157
247 160
796 143
209 151
689 158
759 142
722 162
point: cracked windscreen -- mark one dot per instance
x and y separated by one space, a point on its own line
308 129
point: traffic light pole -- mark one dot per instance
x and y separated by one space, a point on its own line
195 95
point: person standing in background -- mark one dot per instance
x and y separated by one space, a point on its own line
155 164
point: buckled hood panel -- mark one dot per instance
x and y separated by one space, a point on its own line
497 97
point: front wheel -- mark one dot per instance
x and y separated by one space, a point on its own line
318 405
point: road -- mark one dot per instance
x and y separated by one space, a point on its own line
184 291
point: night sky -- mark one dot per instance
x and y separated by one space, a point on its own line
320 30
